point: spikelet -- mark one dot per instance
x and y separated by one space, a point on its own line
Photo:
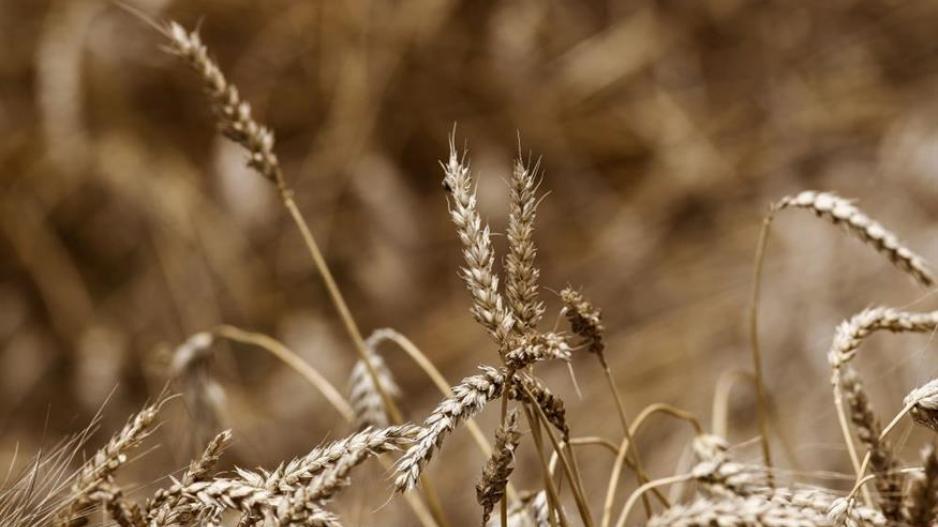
585 320
530 348
924 404
469 397
161 509
96 473
841 211
364 397
301 510
718 476
488 307
232 114
922 496
499 467
521 275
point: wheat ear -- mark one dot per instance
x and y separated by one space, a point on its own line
753 511
97 471
922 496
488 307
532 347
840 211
161 509
469 397
521 274
363 394
499 466
868 429
339 456
585 321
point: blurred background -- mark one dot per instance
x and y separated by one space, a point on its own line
665 129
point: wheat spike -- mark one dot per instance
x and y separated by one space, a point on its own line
469 397
232 113
922 497
301 471
530 348
851 332
161 510
488 307
521 275
868 430
585 320
923 403
841 211
364 397
499 466
96 473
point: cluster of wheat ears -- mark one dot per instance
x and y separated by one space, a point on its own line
298 492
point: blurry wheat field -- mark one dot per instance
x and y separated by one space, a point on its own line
663 129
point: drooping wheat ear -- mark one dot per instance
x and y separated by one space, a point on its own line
231 112
922 497
364 397
469 397
203 395
552 405
850 333
536 347
868 429
499 466
356 449
341 456
585 320
521 275
842 211
301 510
923 403
488 307
752 511
162 507
97 471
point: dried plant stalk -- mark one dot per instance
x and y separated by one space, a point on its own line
521 275
499 467
488 307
